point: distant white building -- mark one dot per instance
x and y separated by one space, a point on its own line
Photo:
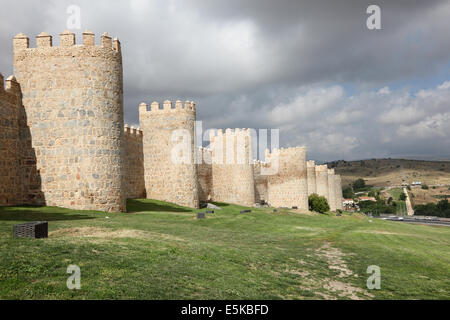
416 183
348 202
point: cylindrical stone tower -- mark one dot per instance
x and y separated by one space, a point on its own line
311 176
73 100
288 187
168 143
338 191
322 180
331 190
232 167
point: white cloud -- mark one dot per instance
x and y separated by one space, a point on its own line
384 90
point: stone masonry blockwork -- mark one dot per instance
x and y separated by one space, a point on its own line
169 136
73 101
63 141
289 187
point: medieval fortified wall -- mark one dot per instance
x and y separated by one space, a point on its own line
73 100
10 156
232 167
63 141
165 179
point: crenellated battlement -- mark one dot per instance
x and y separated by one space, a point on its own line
232 146
204 155
285 153
258 165
310 164
10 89
67 41
322 168
230 133
166 107
132 132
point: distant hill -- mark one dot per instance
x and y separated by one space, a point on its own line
393 172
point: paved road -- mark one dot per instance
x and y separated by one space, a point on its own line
432 221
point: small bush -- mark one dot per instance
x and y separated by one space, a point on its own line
425 187
318 203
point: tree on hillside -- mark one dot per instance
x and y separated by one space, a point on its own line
347 193
359 184
318 203
402 196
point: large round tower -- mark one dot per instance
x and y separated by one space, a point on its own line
311 177
73 100
288 187
168 144
322 180
232 166
331 190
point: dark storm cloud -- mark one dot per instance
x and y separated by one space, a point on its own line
277 64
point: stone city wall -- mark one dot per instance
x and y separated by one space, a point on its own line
288 187
73 101
204 172
261 182
10 157
232 167
134 163
322 180
168 144
338 191
311 176
331 190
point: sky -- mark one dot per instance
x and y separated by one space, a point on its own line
311 69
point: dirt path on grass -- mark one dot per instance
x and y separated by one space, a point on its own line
340 285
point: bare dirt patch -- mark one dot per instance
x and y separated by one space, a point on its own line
339 286
382 232
105 233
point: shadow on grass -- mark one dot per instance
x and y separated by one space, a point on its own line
221 204
30 213
141 205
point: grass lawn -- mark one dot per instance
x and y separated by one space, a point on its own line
395 193
161 251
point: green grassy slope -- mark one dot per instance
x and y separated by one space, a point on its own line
161 251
